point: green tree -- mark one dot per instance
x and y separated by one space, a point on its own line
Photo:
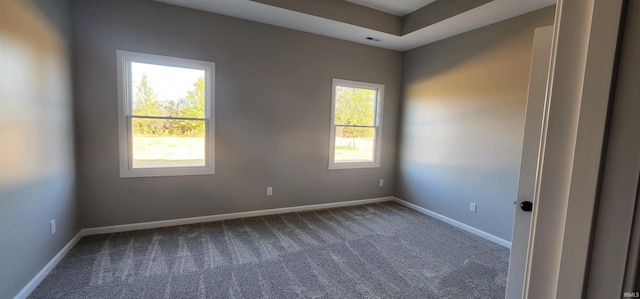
194 103
145 103
355 106
193 106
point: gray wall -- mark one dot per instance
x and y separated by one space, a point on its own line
36 132
462 123
273 101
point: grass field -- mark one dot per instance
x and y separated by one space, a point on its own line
354 149
168 151
189 151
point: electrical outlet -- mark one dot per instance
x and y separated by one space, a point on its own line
269 191
381 182
52 226
472 207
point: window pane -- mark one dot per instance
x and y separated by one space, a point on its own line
159 90
355 106
167 143
354 144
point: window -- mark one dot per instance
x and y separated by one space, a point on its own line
166 109
356 122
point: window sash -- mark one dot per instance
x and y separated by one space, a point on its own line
130 149
375 139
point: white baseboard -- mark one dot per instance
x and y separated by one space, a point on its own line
211 218
36 280
455 223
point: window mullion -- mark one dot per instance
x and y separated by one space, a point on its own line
355 126
167 117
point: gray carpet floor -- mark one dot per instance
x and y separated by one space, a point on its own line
382 250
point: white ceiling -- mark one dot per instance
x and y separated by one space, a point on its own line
395 7
487 14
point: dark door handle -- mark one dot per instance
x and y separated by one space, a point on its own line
526 206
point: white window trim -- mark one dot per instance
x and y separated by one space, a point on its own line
378 124
124 59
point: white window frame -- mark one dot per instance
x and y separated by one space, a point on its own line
377 124
125 100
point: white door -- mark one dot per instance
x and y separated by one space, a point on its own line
540 62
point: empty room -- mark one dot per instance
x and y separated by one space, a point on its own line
319 149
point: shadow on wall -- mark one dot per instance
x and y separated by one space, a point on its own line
482 78
441 186
463 122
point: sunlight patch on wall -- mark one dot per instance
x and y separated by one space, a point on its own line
35 101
